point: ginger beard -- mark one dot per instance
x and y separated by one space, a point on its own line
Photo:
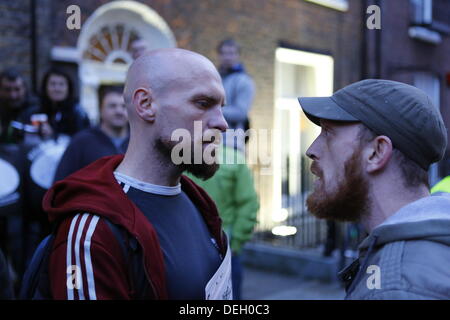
207 154
349 201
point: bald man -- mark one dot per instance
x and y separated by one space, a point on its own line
132 227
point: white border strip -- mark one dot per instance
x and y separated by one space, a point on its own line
87 259
77 255
69 258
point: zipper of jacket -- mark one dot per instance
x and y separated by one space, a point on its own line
362 267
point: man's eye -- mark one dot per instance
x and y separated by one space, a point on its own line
202 103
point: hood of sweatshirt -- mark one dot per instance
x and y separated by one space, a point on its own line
94 189
426 219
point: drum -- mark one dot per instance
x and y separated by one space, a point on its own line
11 168
41 162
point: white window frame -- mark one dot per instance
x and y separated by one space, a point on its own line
340 5
323 66
422 11
422 19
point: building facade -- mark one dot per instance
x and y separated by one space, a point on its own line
413 46
291 48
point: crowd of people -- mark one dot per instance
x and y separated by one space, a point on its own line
56 128
26 123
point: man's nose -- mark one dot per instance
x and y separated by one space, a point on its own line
312 152
218 120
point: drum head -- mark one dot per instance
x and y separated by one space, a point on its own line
44 165
10 180
11 171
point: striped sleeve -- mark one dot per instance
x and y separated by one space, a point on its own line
87 261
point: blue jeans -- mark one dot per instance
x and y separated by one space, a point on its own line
236 276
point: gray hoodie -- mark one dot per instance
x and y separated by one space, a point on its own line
407 256
239 92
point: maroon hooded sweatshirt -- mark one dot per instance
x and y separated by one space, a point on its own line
87 261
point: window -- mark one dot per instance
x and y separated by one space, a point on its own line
434 14
424 26
422 12
297 73
111 44
441 12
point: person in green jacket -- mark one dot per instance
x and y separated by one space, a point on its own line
233 191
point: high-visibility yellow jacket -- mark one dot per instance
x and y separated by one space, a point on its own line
442 186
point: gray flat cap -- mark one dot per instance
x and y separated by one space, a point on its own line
402 112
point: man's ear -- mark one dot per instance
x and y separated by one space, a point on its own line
143 103
377 153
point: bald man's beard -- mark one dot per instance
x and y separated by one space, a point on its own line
201 170
349 201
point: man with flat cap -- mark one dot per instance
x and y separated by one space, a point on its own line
377 141
174 244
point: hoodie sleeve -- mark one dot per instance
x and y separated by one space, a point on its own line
87 262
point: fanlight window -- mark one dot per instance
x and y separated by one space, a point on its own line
111 45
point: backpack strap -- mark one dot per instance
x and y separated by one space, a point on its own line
134 259
36 280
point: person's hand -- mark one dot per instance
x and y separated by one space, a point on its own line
46 130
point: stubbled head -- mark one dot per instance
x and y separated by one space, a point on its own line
168 90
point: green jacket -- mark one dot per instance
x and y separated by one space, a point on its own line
233 191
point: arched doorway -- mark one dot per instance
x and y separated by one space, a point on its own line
104 45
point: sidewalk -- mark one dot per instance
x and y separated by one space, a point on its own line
264 285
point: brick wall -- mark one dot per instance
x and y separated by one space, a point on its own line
15 31
15 37
258 26
402 56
